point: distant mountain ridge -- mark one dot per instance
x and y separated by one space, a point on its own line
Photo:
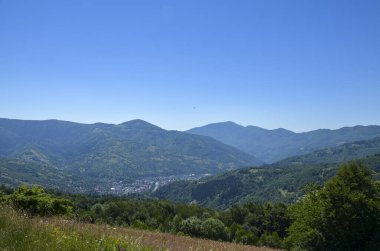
106 152
282 181
274 145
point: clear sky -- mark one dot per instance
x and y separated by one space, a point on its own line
299 65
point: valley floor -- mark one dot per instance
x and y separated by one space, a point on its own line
18 232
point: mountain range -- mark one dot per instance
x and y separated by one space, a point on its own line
274 145
84 155
282 181
79 157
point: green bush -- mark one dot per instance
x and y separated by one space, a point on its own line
214 229
191 226
36 201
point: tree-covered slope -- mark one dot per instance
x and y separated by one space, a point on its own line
110 153
282 181
274 145
13 172
338 154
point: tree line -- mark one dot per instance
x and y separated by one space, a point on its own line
344 214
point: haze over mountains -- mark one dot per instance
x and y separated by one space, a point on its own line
273 145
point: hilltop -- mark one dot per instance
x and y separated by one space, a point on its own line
83 156
274 145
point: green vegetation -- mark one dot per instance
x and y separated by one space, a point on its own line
78 157
18 232
246 227
279 182
337 154
344 214
249 224
300 203
75 157
37 202
274 145
14 172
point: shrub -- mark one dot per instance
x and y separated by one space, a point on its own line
191 226
36 201
214 229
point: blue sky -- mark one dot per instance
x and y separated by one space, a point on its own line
299 65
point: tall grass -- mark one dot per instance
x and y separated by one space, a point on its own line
20 232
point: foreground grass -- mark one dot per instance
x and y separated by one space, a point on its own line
19 232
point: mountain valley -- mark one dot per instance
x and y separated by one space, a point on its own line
80 157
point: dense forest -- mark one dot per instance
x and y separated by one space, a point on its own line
344 214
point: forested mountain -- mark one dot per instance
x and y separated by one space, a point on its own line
338 154
282 181
274 145
99 153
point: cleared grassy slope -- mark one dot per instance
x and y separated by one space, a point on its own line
18 232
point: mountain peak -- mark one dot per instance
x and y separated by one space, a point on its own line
228 123
283 130
139 123
220 125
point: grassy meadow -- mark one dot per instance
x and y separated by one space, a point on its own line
21 232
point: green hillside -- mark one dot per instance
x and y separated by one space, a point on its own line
343 214
79 156
339 154
274 145
281 182
161 225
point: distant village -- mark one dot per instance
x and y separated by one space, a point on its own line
144 185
